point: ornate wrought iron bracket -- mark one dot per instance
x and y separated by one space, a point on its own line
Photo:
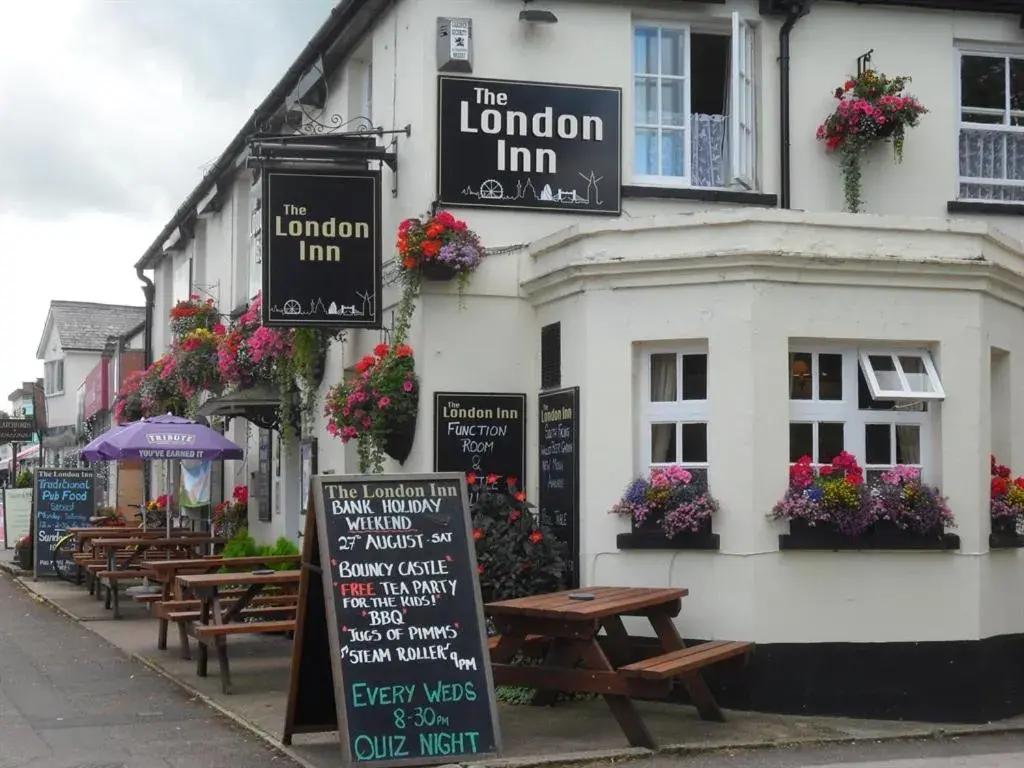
863 61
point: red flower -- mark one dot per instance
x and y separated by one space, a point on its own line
471 478
519 496
477 534
514 515
430 248
1019 482
825 471
480 569
492 478
999 487
446 219
365 364
403 350
381 350
511 480
435 230
536 537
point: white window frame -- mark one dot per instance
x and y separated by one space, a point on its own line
1003 128
181 278
255 238
677 412
848 413
741 138
51 379
906 391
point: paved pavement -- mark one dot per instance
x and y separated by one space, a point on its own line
987 751
70 700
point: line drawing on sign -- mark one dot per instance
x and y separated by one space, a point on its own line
492 189
293 308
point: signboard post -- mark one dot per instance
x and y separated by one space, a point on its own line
64 498
481 433
321 249
558 499
529 146
389 602
16 430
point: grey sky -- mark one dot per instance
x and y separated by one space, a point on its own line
109 111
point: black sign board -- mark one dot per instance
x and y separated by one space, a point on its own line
16 430
481 433
403 628
529 146
64 498
321 249
558 499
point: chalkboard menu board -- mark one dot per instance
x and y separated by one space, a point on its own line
64 498
481 433
404 624
558 499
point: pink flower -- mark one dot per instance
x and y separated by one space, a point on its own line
384 402
407 385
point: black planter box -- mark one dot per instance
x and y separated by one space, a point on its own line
1004 534
649 535
883 535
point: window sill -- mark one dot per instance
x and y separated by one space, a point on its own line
1005 541
645 540
54 394
968 206
705 195
883 537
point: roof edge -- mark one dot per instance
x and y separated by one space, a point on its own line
345 13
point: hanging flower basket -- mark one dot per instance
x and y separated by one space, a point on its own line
160 388
128 403
439 247
192 314
196 361
871 108
249 353
378 407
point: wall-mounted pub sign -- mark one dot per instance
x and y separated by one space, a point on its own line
529 146
321 249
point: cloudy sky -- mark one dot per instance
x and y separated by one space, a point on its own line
109 112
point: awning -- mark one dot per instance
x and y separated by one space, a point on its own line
260 405
29 453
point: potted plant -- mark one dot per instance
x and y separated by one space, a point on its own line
901 502
669 505
24 479
871 108
378 406
231 515
196 361
23 553
249 352
1006 506
439 247
160 388
192 314
128 403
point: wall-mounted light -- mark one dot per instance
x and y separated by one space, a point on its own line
536 16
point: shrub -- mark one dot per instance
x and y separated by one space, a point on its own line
25 479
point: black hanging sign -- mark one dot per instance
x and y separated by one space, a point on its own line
64 498
402 632
558 499
529 146
16 430
321 249
481 433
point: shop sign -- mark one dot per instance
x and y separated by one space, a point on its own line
529 146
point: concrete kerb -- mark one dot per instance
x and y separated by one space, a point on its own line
614 756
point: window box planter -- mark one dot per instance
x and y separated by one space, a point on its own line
882 535
649 535
1004 534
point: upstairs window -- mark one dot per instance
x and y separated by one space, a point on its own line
53 377
694 106
991 127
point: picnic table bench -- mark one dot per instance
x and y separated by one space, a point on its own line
567 628
216 622
170 599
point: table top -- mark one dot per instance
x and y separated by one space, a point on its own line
608 601
126 541
125 530
216 562
230 579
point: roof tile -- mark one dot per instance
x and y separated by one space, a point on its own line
87 326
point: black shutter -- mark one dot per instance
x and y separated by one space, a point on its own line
551 356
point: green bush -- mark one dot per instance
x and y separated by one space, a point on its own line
25 479
244 545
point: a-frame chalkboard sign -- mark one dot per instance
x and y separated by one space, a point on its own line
390 646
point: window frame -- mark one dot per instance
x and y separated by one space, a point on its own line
1006 53
50 369
677 412
907 392
848 412
741 157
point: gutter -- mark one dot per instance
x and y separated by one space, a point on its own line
793 14
149 291
343 15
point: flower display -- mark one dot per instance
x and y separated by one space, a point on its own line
871 107
192 314
837 495
382 397
229 517
128 403
1006 492
159 504
196 360
670 498
249 352
516 554
160 388
439 246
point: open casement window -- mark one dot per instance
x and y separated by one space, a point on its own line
743 107
694 105
901 375
674 401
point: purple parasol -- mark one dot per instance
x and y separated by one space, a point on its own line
161 437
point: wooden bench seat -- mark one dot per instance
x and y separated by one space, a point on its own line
263 610
165 607
676 663
208 631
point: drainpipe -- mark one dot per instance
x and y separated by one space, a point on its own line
149 290
795 12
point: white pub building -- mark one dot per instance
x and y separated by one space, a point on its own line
667 234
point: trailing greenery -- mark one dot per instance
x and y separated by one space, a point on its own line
244 545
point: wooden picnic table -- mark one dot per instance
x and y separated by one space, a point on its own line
215 623
165 573
138 546
568 628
